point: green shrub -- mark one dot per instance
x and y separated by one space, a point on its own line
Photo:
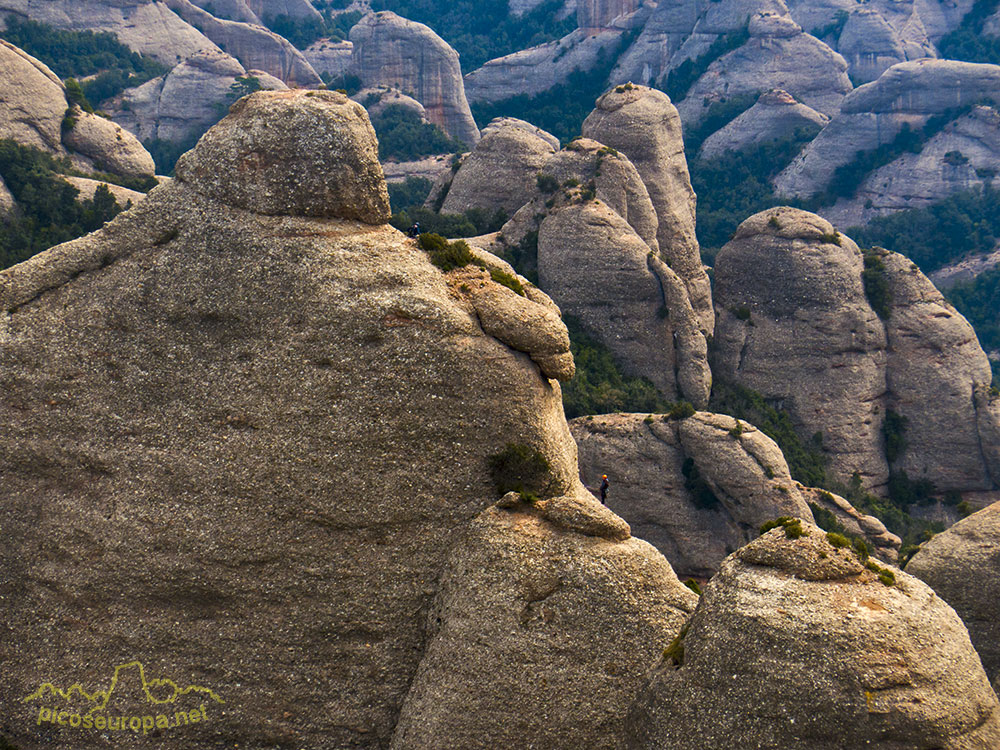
446 255
894 430
838 540
681 410
507 280
693 585
410 193
403 135
792 526
680 80
521 468
701 493
876 282
675 651
826 520
547 183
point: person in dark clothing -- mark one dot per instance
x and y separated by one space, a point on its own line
604 488
414 230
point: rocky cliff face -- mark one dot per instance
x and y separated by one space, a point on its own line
777 55
963 156
874 114
794 323
33 112
254 46
183 103
963 567
392 51
644 125
776 114
887 661
250 376
147 27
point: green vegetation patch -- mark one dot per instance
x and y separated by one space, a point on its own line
792 526
521 468
403 135
876 283
967 42
680 80
701 493
979 300
674 653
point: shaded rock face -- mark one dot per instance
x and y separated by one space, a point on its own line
296 414
811 341
254 160
777 55
795 325
938 379
268 10
598 14
547 633
331 57
871 45
183 103
659 471
147 27
596 253
847 660
501 171
254 46
963 156
881 542
668 26
872 115
776 115
392 51
643 124
962 565
7 202
34 105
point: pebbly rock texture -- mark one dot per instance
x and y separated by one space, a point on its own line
181 105
254 46
33 114
109 146
963 156
539 636
872 115
775 115
881 542
643 124
145 26
501 172
239 447
254 160
391 51
777 55
697 488
794 324
962 565
938 379
847 660
330 57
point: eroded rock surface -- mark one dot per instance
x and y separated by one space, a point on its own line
775 115
849 660
391 51
962 565
643 124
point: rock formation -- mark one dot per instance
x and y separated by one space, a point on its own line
592 15
871 45
643 124
300 10
964 155
7 202
874 114
962 565
501 172
185 102
881 542
850 656
548 633
776 115
230 10
35 113
241 431
332 58
150 28
668 26
777 55
693 488
87 188
254 46
408 56
794 324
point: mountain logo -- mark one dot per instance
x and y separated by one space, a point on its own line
78 707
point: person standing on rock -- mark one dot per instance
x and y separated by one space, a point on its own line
604 488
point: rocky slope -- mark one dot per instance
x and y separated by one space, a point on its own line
391 51
963 567
251 375
874 114
775 115
254 46
795 324
701 487
887 662
35 112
